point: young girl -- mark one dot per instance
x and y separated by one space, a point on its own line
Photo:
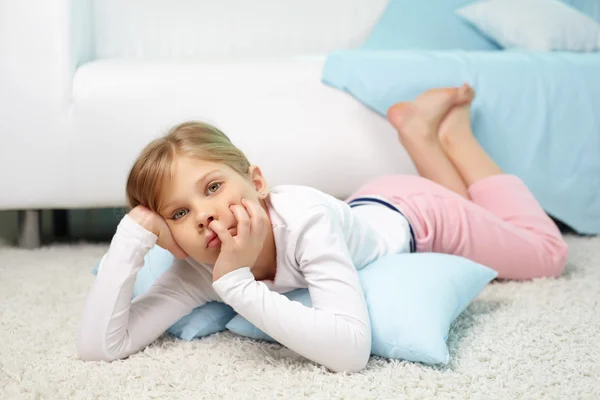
195 194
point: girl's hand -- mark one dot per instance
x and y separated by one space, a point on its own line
156 224
243 249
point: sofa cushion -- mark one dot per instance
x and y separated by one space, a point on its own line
228 29
120 105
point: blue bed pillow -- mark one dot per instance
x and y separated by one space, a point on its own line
412 300
431 24
203 321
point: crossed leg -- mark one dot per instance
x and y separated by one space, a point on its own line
495 220
435 129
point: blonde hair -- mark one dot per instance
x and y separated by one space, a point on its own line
152 168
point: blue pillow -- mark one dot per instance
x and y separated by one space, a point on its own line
431 24
203 321
525 103
412 300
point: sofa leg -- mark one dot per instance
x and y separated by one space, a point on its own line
29 229
60 223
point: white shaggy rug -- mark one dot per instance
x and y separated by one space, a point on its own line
517 340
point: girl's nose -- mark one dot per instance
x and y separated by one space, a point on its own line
205 221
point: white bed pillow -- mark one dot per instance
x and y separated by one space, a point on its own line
540 25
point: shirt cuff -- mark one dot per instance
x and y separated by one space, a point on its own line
228 282
131 228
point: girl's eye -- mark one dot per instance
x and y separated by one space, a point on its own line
180 213
213 187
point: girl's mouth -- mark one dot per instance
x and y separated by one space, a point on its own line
214 242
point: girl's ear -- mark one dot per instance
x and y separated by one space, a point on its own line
258 181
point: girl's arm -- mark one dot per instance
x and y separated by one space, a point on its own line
113 326
336 331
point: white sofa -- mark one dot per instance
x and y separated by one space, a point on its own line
85 84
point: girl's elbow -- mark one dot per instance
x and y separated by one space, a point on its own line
89 351
93 354
354 357
356 364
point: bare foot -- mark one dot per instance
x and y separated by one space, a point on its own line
456 125
421 118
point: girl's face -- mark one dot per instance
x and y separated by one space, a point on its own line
200 192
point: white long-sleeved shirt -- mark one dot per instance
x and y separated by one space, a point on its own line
320 241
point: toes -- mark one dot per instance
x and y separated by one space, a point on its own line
465 94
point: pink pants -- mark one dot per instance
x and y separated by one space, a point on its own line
503 227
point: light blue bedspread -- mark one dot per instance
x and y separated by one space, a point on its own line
536 114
